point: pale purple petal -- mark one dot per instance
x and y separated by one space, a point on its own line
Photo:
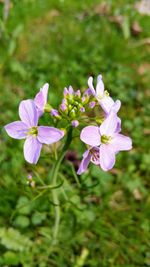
28 112
49 135
90 135
39 101
116 106
85 162
41 98
99 86
91 87
107 157
16 129
121 142
109 126
44 90
32 149
118 128
106 103
82 109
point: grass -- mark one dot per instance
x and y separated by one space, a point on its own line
105 221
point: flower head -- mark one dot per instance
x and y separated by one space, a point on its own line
27 128
102 96
108 138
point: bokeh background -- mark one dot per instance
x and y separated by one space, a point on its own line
106 220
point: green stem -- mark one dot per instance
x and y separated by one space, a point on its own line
54 181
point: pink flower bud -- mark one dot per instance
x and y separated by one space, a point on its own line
75 123
92 104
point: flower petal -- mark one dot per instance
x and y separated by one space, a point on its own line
95 155
49 135
107 157
32 149
85 162
91 87
44 90
99 86
110 124
116 106
28 112
16 129
106 103
90 135
121 142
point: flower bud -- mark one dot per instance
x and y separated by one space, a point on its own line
75 123
92 104
82 109
55 113
63 107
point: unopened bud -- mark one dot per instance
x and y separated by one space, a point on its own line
75 123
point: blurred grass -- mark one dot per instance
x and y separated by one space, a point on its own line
63 42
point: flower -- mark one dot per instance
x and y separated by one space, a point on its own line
102 96
108 139
40 99
92 155
35 135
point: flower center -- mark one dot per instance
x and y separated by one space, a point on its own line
33 131
105 139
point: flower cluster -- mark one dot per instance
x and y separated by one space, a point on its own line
103 141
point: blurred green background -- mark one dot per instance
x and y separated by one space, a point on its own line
106 220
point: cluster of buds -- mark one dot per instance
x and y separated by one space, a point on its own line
73 105
30 180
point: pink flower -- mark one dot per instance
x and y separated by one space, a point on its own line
35 135
102 96
108 139
40 99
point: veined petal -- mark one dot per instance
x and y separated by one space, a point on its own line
85 162
106 103
28 112
49 135
121 142
90 135
16 129
91 87
107 157
99 86
32 149
109 126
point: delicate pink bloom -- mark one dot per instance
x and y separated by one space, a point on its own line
102 96
108 139
92 155
40 99
28 128
75 123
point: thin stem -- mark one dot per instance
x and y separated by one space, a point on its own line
54 181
